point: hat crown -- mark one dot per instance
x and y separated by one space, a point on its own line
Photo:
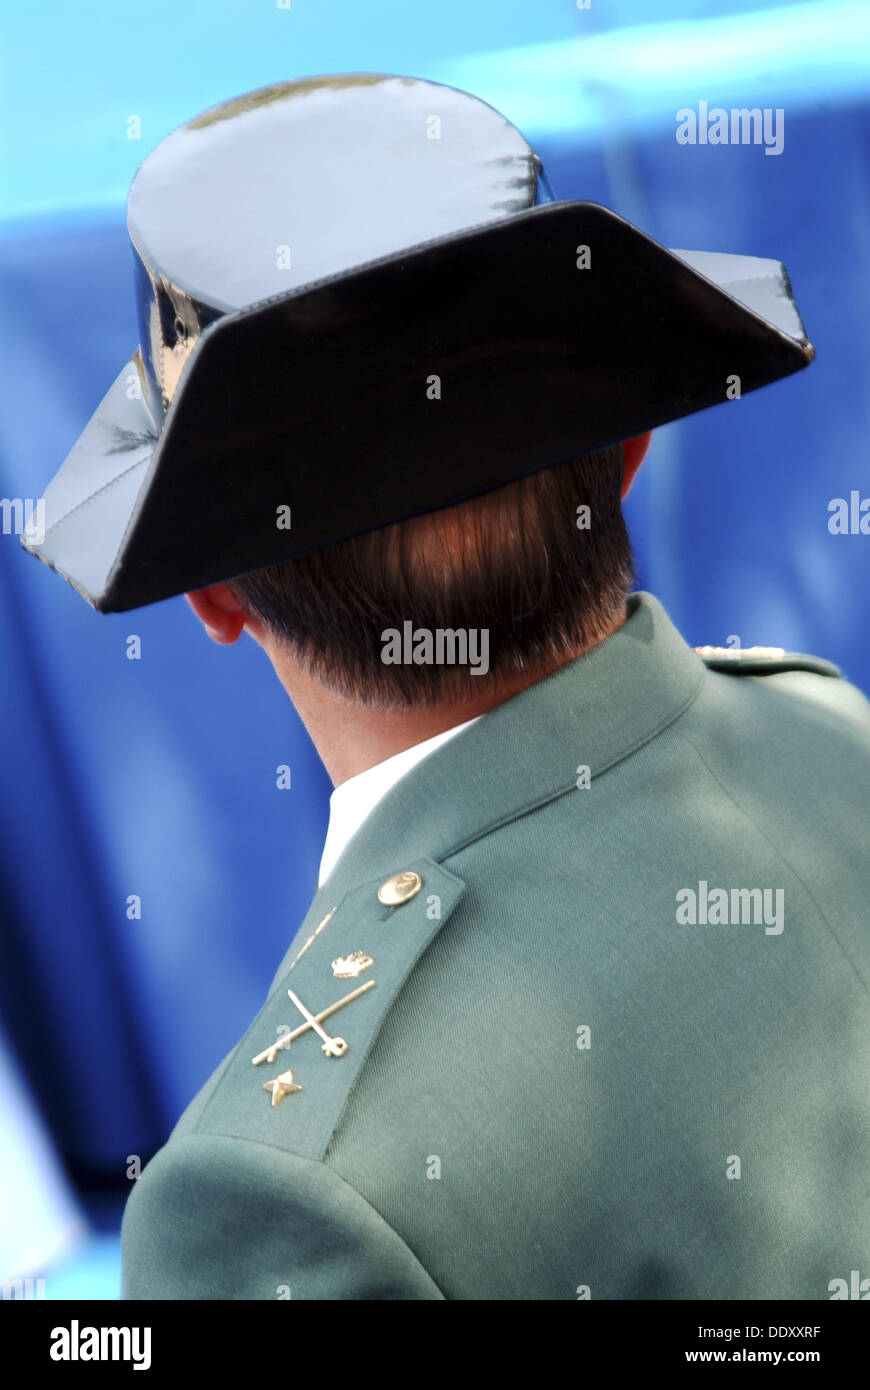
290 184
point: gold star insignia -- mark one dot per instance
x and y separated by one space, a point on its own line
282 1086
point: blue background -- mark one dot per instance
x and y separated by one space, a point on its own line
158 777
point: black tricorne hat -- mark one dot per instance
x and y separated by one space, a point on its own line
358 302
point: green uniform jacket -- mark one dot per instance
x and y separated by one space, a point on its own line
618 1046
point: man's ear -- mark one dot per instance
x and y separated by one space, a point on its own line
220 613
634 451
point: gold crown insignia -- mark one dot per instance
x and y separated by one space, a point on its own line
348 967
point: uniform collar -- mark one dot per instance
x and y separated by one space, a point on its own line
594 711
354 800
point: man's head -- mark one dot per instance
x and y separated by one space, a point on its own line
542 566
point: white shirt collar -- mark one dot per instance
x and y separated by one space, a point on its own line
355 799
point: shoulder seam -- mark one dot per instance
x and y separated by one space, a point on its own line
785 859
334 1173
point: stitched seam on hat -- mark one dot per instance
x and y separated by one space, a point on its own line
85 500
123 541
748 280
442 239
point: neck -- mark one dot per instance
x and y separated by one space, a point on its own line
352 737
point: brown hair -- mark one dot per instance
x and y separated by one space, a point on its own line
513 561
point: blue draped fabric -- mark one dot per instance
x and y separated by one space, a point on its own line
154 777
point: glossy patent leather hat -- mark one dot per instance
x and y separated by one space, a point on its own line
358 302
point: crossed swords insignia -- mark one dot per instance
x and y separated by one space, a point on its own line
284 1084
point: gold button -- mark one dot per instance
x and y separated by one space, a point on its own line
400 888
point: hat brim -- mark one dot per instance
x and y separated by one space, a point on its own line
405 386
89 502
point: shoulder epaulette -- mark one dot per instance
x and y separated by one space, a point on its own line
764 661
